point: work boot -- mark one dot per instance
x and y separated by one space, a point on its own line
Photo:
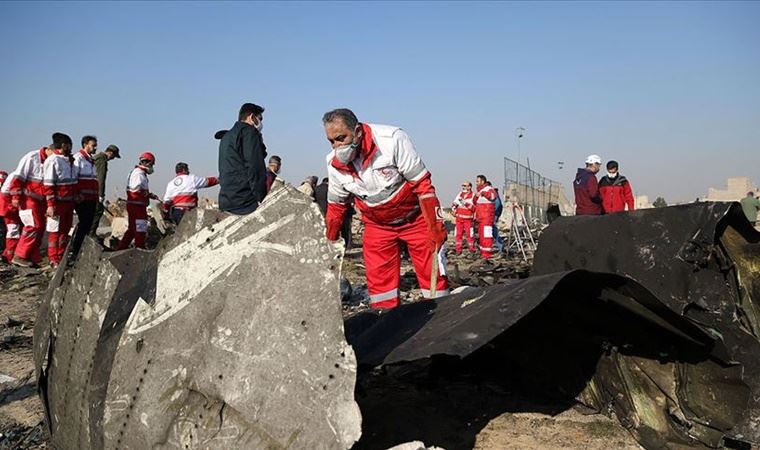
22 262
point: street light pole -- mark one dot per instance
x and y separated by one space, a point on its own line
519 133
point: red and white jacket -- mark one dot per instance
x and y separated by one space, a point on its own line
138 192
485 204
387 179
464 205
5 196
60 179
182 191
29 176
89 187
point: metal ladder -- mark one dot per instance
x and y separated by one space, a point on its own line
520 236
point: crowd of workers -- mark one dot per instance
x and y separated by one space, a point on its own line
51 184
372 167
482 208
43 193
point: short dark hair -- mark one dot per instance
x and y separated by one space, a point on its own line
324 180
482 177
344 114
750 194
87 139
59 139
249 108
612 164
275 158
181 168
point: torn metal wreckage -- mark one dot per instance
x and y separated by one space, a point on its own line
230 334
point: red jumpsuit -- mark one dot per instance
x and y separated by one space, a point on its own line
12 221
138 199
464 209
392 188
61 189
485 209
28 189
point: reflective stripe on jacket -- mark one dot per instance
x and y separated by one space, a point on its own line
137 187
464 205
60 179
29 176
485 204
387 178
182 191
89 187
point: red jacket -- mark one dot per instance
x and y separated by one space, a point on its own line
464 205
182 191
387 180
89 187
138 192
60 179
587 198
28 177
5 198
616 194
485 204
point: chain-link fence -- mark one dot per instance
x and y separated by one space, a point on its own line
531 190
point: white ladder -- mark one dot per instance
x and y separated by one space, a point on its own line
520 236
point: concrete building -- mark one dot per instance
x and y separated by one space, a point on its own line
736 189
642 202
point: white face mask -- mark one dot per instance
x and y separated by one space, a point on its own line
345 153
612 175
260 125
149 169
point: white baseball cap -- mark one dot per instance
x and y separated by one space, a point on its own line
593 159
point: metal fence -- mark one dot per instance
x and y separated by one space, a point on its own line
531 190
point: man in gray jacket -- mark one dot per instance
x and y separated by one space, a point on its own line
242 170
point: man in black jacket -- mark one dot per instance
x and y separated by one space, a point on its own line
242 170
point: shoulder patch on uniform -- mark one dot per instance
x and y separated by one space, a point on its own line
177 181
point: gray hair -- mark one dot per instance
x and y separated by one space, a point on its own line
344 114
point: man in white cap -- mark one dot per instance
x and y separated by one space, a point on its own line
586 187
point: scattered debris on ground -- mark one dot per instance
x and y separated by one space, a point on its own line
489 367
21 418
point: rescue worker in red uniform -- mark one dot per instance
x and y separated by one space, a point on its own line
89 192
379 166
27 193
12 221
3 226
615 191
464 211
182 192
485 210
138 199
61 193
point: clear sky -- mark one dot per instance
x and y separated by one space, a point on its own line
670 90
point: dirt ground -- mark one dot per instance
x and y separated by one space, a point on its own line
483 416
21 413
